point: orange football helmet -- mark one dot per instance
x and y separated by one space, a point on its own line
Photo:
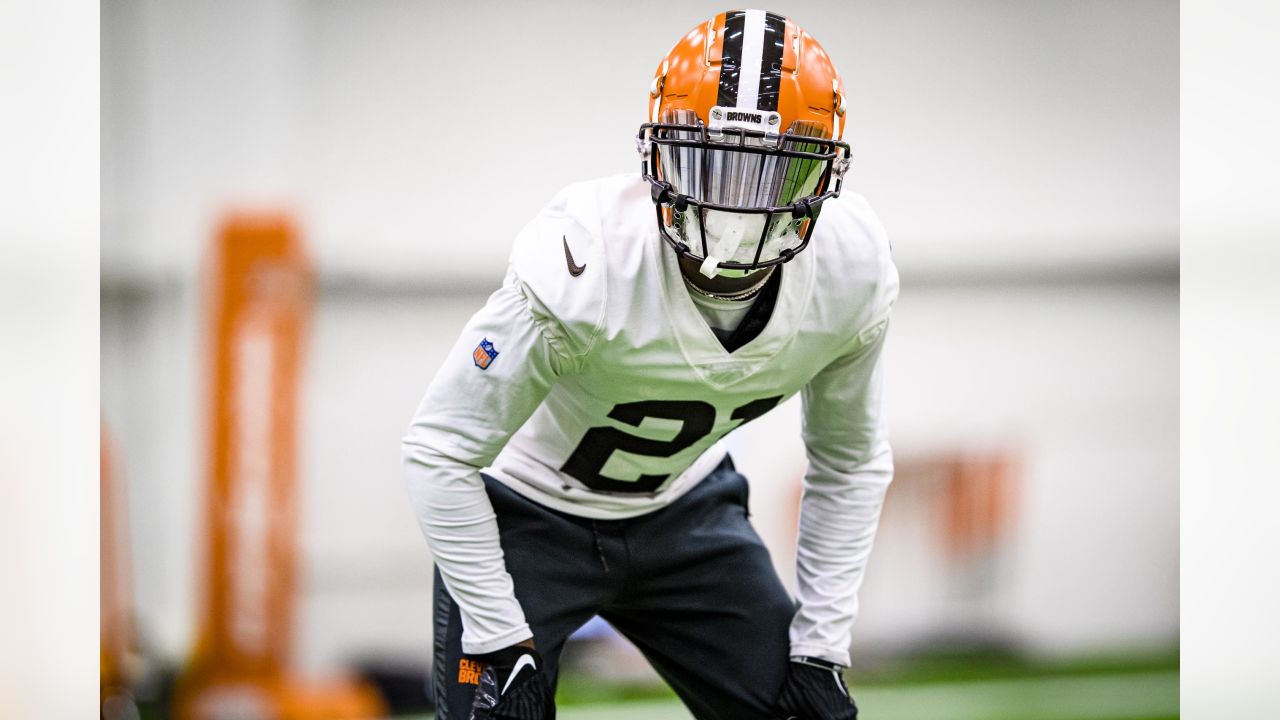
743 142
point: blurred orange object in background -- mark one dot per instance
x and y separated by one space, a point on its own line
118 639
260 295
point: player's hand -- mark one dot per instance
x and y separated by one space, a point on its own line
513 687
815 690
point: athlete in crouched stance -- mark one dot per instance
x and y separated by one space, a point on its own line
567 459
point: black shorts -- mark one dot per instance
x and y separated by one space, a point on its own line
691 585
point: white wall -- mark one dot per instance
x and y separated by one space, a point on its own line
1022 155
986 132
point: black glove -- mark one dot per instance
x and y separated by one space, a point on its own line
513 687
814 690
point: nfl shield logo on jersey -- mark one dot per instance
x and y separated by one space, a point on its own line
484 354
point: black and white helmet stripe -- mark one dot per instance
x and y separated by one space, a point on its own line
751 60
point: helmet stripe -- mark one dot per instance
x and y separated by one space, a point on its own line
752 56
731 59
775 35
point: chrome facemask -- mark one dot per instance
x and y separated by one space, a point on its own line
736 199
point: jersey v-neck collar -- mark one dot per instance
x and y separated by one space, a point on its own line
704 352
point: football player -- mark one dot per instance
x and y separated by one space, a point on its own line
568 459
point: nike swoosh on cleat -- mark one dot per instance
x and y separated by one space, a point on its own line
524 660
574 268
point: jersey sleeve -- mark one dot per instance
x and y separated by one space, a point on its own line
495 376
850 466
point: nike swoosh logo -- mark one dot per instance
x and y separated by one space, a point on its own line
574 268
524 660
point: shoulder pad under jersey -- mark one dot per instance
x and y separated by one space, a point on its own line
857 260
558 264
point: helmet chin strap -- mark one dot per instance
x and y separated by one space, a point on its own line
730 286
710 267
728 232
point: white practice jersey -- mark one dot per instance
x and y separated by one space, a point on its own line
590 383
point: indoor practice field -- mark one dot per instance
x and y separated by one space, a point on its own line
973 688
306 204
958 687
